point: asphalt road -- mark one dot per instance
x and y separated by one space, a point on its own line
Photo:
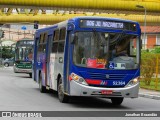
18 92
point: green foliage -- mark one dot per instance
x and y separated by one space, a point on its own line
148 63
7 52
152 85
156 50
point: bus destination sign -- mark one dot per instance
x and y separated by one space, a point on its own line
102 24
27 42
107 24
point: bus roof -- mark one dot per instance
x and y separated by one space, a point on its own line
102 18
72 20
84 17
53 26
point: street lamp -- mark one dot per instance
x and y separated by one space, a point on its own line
145 12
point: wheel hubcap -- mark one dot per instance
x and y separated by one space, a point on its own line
6 65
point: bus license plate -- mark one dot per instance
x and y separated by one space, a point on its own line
118 83
106 92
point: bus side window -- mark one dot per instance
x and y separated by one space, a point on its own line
45 37
55 41
38 43
133 47
54 47
42 42
41 38
62 34
56 35
61 47
61 40
40 46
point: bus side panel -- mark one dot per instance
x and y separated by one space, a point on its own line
56 68
48 52
34 72
37 65
66 64
40 67
52 71
49 81
43 59
59 64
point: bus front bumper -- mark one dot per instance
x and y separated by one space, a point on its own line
19 70
77 89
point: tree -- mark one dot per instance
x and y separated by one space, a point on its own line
6 52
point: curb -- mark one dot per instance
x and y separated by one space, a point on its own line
156 97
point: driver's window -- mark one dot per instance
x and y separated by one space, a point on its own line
78 49
133 47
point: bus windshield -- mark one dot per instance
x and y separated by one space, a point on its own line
24 50
106 50
24 53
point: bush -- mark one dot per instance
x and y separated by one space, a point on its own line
156 50
148 66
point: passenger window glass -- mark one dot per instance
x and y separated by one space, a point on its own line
54 47
40 48
62 33
45 38
61 47
56 35
38 40
41 38
133 47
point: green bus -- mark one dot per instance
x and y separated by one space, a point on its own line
23 56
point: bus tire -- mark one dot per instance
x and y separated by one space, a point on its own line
61 96
117 100
30 75
15 71
41 87
6 64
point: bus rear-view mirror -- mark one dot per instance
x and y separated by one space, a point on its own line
72 38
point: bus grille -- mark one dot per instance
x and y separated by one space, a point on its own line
107 76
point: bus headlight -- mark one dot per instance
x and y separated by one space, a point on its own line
133 82
77 78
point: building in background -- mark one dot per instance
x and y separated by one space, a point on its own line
152 36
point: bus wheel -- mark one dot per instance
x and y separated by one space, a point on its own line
61 96
41 87
117 101
6 64
15 71
30 75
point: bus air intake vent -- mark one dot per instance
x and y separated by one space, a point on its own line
107 76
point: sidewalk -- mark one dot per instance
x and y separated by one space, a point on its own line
149 94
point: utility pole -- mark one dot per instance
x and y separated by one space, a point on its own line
1 36
145 13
